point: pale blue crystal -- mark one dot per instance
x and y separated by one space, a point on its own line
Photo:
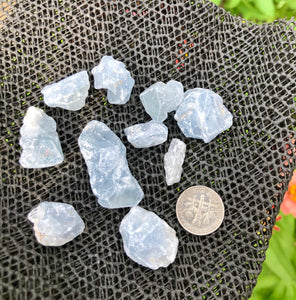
69 93
111 74
39 140
110 177
147 239
55 223
160 99
146 135
202 115
173 161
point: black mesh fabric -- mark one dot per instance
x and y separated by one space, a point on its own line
253 69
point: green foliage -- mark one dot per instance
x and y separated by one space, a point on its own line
260 11
278 277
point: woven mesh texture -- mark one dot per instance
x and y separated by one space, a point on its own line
253 69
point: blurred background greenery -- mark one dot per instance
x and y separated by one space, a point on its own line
260 11
277 280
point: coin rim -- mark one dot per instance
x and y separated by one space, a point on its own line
194 187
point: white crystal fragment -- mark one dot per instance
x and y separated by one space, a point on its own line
173 161
69 93
111 74
146 135
39 140
160 99
55 223
110 177
147 239
202 115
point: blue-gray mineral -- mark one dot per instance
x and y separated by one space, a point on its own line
147 239
112 75
55 223
202 115
39 140
160 99
146 135
69 93
173 161
110 177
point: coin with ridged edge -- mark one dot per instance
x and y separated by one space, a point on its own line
200 210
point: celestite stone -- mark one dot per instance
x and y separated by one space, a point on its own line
173 161
110 177
147 239
39 140
55 223
69 93
146 135
160 99
111 74
202 115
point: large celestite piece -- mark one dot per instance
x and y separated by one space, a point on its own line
111 74
147 239
173 161
110 177
55 223
202 115
39 140
69 93
160 99
146 135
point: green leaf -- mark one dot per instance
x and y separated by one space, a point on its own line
291 4
266 7
231 4
218 2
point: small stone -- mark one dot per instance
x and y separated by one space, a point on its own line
111 74
173 161
69 93
202 115
147 239
146 135
160 99
55 223
39 140
110 177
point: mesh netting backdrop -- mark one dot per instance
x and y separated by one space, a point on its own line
253 69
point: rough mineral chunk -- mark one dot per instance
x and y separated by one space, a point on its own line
160 99
69 93
202 115
110 176
111 74
147 239
55 224
147 134
39 140
173 161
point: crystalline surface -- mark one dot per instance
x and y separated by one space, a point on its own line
202 115
69 93
39 140
111 74
110 176
55 224
147 239
147 134
173 161
160 99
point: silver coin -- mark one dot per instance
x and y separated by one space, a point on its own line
200 210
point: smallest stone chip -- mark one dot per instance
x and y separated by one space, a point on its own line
55 223
69 93
146 135
173 161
